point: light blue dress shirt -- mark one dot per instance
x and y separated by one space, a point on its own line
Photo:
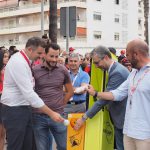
137 118
81 77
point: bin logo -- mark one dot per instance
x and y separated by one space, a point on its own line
75 140
108 131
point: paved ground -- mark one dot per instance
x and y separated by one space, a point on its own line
54 147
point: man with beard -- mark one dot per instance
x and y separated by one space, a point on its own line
117 74
80 79
18 96
137 89
50 78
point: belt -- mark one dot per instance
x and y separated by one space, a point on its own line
75 103
21 106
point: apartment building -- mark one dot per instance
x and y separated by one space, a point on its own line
106 22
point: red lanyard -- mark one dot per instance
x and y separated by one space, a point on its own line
134 86
25 57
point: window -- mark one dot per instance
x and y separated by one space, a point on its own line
97 16
116 36
97 34
124 20
116 19
124 4
139 10
124 36
140 3
11 41
117 2
139 23
140 34
12 23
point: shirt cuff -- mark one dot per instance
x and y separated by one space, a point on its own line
38 103
115 95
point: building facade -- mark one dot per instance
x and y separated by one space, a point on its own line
110 23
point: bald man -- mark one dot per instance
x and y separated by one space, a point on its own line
137 89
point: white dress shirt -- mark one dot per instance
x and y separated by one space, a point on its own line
18 84
137 120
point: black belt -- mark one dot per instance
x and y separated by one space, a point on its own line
21 106
75 103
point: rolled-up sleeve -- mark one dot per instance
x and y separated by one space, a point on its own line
121 92
25 85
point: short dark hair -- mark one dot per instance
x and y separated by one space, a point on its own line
112 50
2 47
35 42
44 36
101 52
2 53
53 46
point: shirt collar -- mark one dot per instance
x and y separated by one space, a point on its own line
146 66
111 66
27 57
77 72
43 65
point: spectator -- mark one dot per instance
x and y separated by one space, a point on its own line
126 63
112 50
71 50
61 60
121 56
12 50
79 80
4 57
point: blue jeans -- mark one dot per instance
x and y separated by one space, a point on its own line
44 131
119 138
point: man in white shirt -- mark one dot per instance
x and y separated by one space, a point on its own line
137 87
18 96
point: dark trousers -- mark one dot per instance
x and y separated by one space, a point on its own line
18 124
119 138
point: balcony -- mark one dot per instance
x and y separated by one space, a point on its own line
78 41
33 27
22 29
36 8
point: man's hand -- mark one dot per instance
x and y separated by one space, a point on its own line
57 117
91 90
79 124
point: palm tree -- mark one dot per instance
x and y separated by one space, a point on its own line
53 20
146 14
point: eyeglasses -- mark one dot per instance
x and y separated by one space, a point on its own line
96 62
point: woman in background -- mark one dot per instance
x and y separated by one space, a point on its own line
4 57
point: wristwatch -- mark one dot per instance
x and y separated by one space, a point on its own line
84 117
96 94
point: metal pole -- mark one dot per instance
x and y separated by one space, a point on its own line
42 17
67 29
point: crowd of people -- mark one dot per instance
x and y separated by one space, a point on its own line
41 84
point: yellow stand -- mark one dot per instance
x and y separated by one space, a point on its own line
75 139
99 132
